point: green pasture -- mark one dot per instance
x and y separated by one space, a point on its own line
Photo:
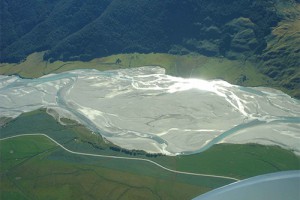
34 167
193 65
237 160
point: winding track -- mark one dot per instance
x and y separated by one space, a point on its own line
119 157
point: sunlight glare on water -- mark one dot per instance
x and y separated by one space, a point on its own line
142 108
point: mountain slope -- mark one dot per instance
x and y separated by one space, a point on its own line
29 26
264 32
75 29
281 59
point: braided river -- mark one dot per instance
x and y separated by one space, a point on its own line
143 108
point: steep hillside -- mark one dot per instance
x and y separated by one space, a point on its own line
281 59
28 26
82 30
265 33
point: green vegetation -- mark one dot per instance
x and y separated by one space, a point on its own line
46 124
245 42
50 173
238 72
237 160
33 167
36 25
83 30
263 34
10 158
233 71
281 58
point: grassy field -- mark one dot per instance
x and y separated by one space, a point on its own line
245 73
47 172
33 167
240 161
233 71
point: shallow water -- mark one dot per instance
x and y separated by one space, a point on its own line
142 108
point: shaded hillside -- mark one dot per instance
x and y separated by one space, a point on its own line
264 32
82 30
34 25
281 59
